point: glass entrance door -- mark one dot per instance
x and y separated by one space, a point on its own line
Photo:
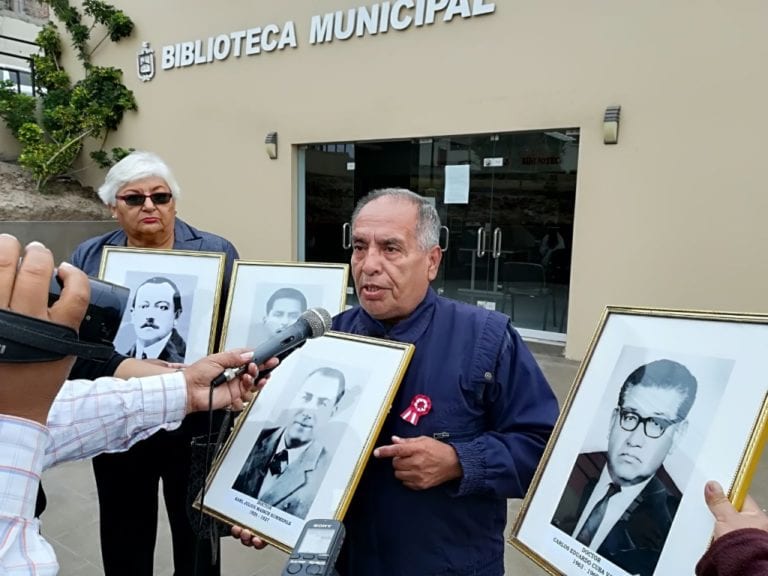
326 200
506 202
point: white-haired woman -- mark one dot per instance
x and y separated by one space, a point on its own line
142 193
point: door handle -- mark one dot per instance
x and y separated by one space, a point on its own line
497 242
447 238
481 241
346 236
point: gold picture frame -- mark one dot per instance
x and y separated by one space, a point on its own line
299 449
267 296
196 277
664 401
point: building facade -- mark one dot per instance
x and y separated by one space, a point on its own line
493 110
20 22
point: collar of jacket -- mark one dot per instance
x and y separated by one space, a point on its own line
184 237
408 330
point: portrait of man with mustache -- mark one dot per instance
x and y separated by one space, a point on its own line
155 311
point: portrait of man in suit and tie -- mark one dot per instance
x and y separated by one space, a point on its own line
155 310
621 502
287 464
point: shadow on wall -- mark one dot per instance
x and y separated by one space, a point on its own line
61 237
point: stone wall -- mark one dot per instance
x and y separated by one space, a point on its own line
35 9
31 9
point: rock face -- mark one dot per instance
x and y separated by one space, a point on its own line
63 200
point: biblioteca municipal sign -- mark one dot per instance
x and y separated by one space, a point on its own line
379 18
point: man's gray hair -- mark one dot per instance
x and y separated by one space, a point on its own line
428 226
135 166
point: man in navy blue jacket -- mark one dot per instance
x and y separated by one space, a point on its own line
468 424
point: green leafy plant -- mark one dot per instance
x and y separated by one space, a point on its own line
52 135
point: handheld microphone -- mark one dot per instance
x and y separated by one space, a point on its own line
311 324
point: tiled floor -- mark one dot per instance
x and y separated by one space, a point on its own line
71 523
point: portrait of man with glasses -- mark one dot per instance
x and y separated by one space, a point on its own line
621 502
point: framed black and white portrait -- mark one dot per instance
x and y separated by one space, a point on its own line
173 305
664 401
299 449
266 297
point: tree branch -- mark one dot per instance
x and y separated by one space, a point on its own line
98 44
67 145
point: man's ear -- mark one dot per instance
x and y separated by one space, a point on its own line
681 428
434 256
614 421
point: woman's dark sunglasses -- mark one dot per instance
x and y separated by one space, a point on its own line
157 198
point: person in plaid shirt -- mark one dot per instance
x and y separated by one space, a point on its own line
45 420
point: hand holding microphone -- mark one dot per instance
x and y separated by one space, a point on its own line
311 324
233 394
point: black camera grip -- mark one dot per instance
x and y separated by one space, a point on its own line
27 339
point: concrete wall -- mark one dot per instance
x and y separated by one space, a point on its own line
9 146
672 216
60 237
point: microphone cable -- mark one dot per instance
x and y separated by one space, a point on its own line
212 450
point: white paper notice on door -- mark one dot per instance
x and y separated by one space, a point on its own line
456 184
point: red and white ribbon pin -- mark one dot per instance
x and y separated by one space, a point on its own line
420 406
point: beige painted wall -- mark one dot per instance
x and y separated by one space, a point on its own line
672 216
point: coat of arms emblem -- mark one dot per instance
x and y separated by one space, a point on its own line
145 63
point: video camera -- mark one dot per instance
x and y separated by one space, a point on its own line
105 309
27 339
